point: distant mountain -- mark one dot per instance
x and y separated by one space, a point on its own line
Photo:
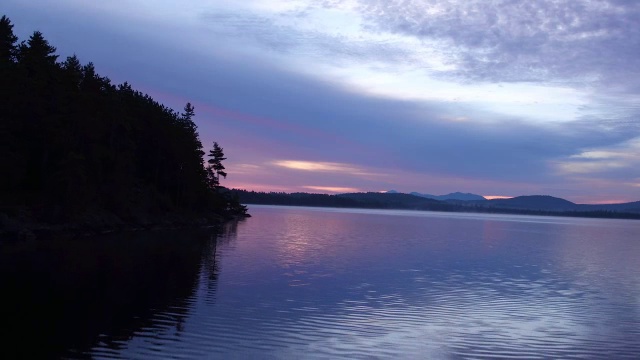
631 207
389 199
524 205
428 196
461 196
533 202
452 196
550 203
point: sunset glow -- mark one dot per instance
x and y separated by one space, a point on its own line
332 189
314 166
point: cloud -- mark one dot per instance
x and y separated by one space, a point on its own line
247 169
507 40
285 35
548 60
318 166
620 161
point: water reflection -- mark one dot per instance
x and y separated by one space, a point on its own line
428 285
323 283
69 296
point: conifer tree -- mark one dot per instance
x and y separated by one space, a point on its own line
189 112
215 168
73 70
8 39
36 52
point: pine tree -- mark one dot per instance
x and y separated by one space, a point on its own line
189 112
8 39
37 53
73 70
215 168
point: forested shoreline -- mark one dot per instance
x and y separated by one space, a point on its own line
401 201
80 152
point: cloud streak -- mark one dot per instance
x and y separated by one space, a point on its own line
622 160
319 166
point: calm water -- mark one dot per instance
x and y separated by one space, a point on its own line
325 283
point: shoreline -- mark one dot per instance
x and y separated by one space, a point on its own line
488 210
13 229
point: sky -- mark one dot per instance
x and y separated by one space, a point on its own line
492 97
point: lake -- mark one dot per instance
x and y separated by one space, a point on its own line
295 282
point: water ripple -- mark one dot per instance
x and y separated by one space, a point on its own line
297 283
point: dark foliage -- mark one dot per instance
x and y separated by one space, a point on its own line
215 169
72 143
354 200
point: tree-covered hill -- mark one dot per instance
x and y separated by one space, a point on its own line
537 202
370 200
74 144
525 205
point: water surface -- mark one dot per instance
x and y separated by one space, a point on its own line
338 283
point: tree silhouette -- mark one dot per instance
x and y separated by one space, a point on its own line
11 147
36 54
73 144
8 48
215 168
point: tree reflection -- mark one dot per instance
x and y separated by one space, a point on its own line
63 297
210 264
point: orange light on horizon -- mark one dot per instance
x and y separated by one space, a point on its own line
607 202
333 189
493 197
